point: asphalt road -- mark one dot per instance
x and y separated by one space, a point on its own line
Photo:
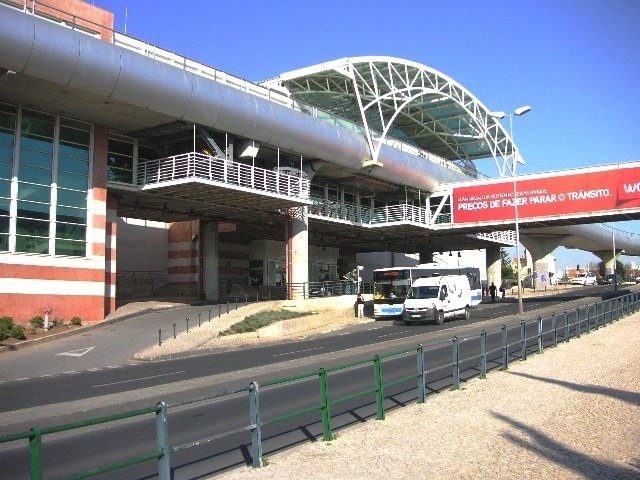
101 381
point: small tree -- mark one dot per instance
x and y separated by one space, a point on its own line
621 269
506 265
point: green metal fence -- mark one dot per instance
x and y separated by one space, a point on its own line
514 338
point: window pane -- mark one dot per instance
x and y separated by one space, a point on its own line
72 198
4 224
75 151
71 215
31 244
7 121
77 182
34 193
35 175
37 159
74 135
5 162
70 247
121 147
33 210
120 175
36 144
37 124
120 161
70 231
73 165
33 228
4 242
6 138
5 188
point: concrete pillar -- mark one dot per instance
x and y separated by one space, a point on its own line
608 259
541 247
426 256
494 266
297 251
210 260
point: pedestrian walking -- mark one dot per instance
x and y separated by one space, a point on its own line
492 292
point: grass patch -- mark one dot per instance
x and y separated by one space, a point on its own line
261 319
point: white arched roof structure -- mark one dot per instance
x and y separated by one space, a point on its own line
396 99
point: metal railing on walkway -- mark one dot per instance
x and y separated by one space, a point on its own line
219 170
485 351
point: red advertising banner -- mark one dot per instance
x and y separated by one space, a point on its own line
550 196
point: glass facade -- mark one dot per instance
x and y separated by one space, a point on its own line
44 176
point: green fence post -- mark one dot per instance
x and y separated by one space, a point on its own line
523 340
456 363
505 348
540 345
588 319
566 326
377 366
483 354
35 454
326 406
578 324
256 426
422 388
162 432
554 327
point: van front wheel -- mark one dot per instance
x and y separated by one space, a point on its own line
440 317
467 313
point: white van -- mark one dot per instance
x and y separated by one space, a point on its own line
437 298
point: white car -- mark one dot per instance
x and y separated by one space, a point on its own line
584 279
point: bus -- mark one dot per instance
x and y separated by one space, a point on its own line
390 285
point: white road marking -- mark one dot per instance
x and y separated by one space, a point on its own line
77 353
298 351
391 335
138 379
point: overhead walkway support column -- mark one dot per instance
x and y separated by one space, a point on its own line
297 251
541 247
210 260
494 266
609 260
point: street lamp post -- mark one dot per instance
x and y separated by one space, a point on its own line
500 115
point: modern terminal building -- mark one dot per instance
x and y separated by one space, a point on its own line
129 170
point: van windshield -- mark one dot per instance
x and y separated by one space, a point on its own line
430 291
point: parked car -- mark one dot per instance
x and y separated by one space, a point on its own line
588 278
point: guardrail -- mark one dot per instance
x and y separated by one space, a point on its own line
489 350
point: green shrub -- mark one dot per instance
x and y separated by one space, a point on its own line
251 323
37 322
76 321
17 332
6 324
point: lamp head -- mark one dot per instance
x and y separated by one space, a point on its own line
522 110
498 115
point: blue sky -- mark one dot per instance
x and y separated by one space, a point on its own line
577 63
